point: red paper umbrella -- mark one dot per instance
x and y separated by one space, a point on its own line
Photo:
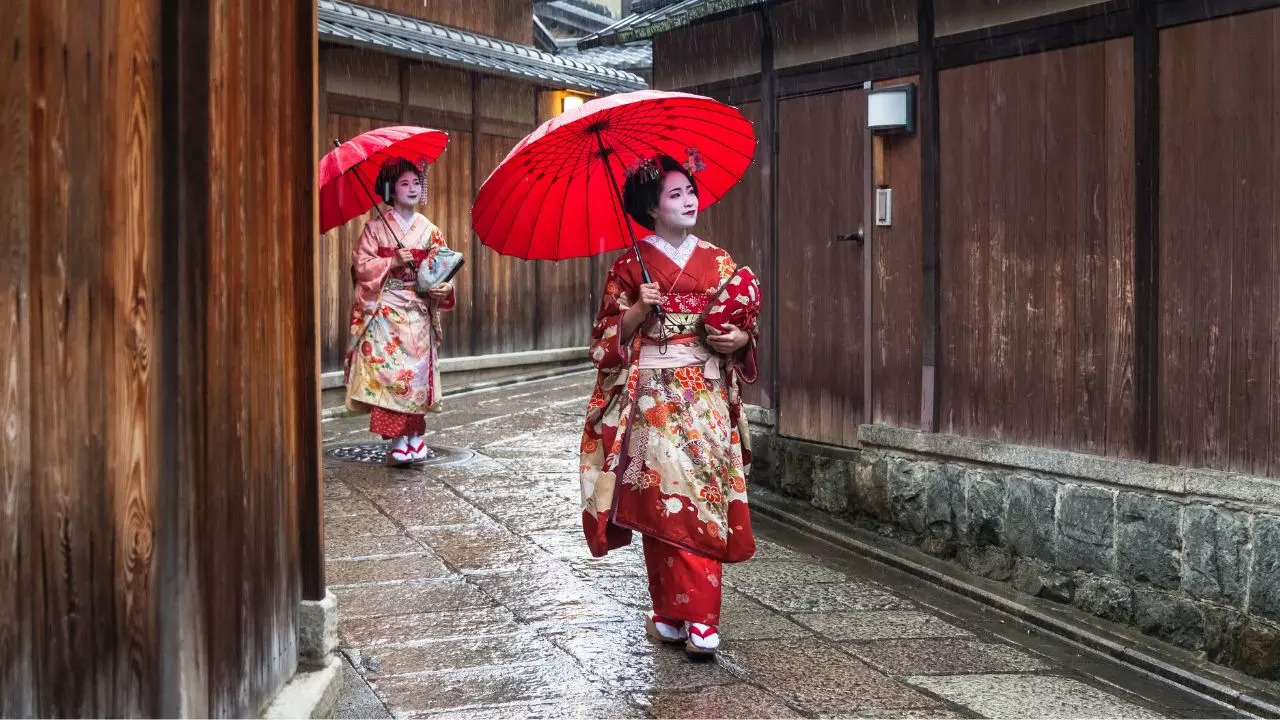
556 195
349 171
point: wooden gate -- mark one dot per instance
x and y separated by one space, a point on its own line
821 196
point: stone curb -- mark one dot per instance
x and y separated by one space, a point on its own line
310 694
1129 474
1065 622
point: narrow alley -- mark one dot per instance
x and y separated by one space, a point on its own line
465 590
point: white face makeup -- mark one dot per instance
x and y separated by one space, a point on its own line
677 203
408 190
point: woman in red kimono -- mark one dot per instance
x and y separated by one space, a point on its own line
391 361
665 449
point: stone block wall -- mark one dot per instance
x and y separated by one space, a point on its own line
1187 556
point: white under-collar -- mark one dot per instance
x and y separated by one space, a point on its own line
404 224
678 255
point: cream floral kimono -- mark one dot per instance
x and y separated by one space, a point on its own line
392 356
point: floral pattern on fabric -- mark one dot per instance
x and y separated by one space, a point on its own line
391 361
683 585
664 451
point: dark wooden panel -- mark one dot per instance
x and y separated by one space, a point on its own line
733 224
78 108
301 108
820 195
930 218
1035 252
96 165
896 293
725 48
565 305
505 312
1039 34
1219 308
1178 12
1121 339
74 603
17 655
810 31
506 19
449 207
252 466
131 227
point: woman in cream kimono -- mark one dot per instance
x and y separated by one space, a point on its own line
664 450
391 361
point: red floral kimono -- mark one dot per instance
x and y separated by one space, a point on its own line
391 362
665 449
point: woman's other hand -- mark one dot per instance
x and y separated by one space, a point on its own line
441 292
728 342
404 256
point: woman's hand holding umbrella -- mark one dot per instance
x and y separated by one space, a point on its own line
650 297
404 256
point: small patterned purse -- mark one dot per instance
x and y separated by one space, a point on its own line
439 267
737 302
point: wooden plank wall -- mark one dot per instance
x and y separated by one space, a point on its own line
1038 239
505 312
565 306
505 304
148 482
18 658
449 207
245 473
78 100
1037 249
1219 310
707 52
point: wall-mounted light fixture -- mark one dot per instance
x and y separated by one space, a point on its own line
569 102
892 109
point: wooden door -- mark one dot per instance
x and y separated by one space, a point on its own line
821 196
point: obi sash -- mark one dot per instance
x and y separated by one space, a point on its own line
685 355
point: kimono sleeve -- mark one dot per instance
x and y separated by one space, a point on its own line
368 270
608 351
437 242
745 361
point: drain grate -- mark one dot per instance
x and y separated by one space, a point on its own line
376 454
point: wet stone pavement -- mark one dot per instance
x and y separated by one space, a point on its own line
466 591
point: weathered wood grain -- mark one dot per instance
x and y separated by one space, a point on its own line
17 655
820 196
1037 238
1218 402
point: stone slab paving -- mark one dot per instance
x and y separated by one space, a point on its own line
466 591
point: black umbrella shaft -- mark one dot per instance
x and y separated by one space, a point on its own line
622 213
378 210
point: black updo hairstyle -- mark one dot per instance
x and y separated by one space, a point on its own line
643 188
391 172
